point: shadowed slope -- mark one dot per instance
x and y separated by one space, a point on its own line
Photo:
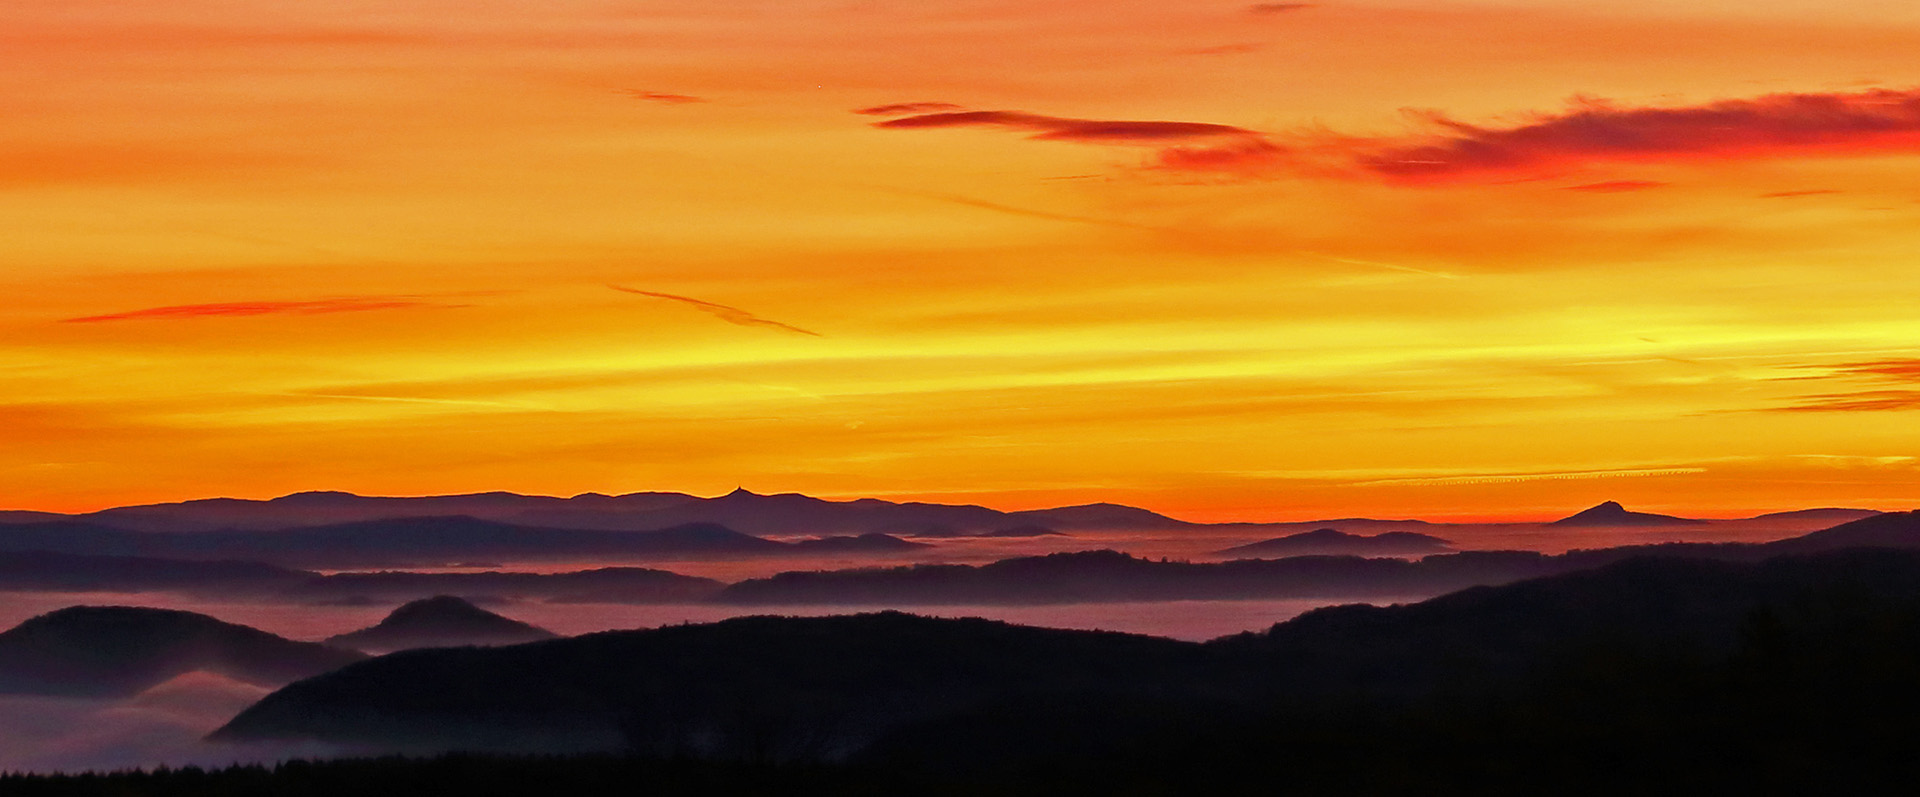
756 687
111 651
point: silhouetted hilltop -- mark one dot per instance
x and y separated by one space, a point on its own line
1103 516
112 651
1611 513
1827 514
438 622
756 687
1888 530
1333 542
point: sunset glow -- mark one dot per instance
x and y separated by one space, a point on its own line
1273 261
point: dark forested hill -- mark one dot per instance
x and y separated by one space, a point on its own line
756 687
786 688
441 621
121 650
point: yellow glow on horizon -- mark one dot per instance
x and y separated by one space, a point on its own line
335 247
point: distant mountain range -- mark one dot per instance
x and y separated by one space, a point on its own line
439 622
428 541
741 510
119 651
1112 576
1088 576
786 514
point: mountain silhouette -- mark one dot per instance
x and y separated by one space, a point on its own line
1835 515
116 651
767 687
411 541
1106 575
1333 542
1095 576
1611 513
742 510
912 689
437 622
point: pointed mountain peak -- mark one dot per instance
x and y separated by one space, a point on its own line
1611 513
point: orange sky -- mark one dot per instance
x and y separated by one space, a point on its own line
1270 261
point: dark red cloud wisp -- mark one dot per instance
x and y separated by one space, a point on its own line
1593 131
905 108
1264 9
662 97
1059 128
1183 146
1617 186
1882 399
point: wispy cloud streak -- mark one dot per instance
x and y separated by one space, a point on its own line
352 304
908 108
1590 133
664 98
1268 9
1509 478
731 315
1061 128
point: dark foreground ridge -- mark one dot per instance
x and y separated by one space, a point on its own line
1651 659
439 622
115 651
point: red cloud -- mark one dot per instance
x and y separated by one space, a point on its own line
1591 133
1594 131
1864 401
1897 372
662 97
1890 370
902 108
357 304
1184 146
1278 8
1058 128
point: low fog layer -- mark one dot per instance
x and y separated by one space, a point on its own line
163 725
